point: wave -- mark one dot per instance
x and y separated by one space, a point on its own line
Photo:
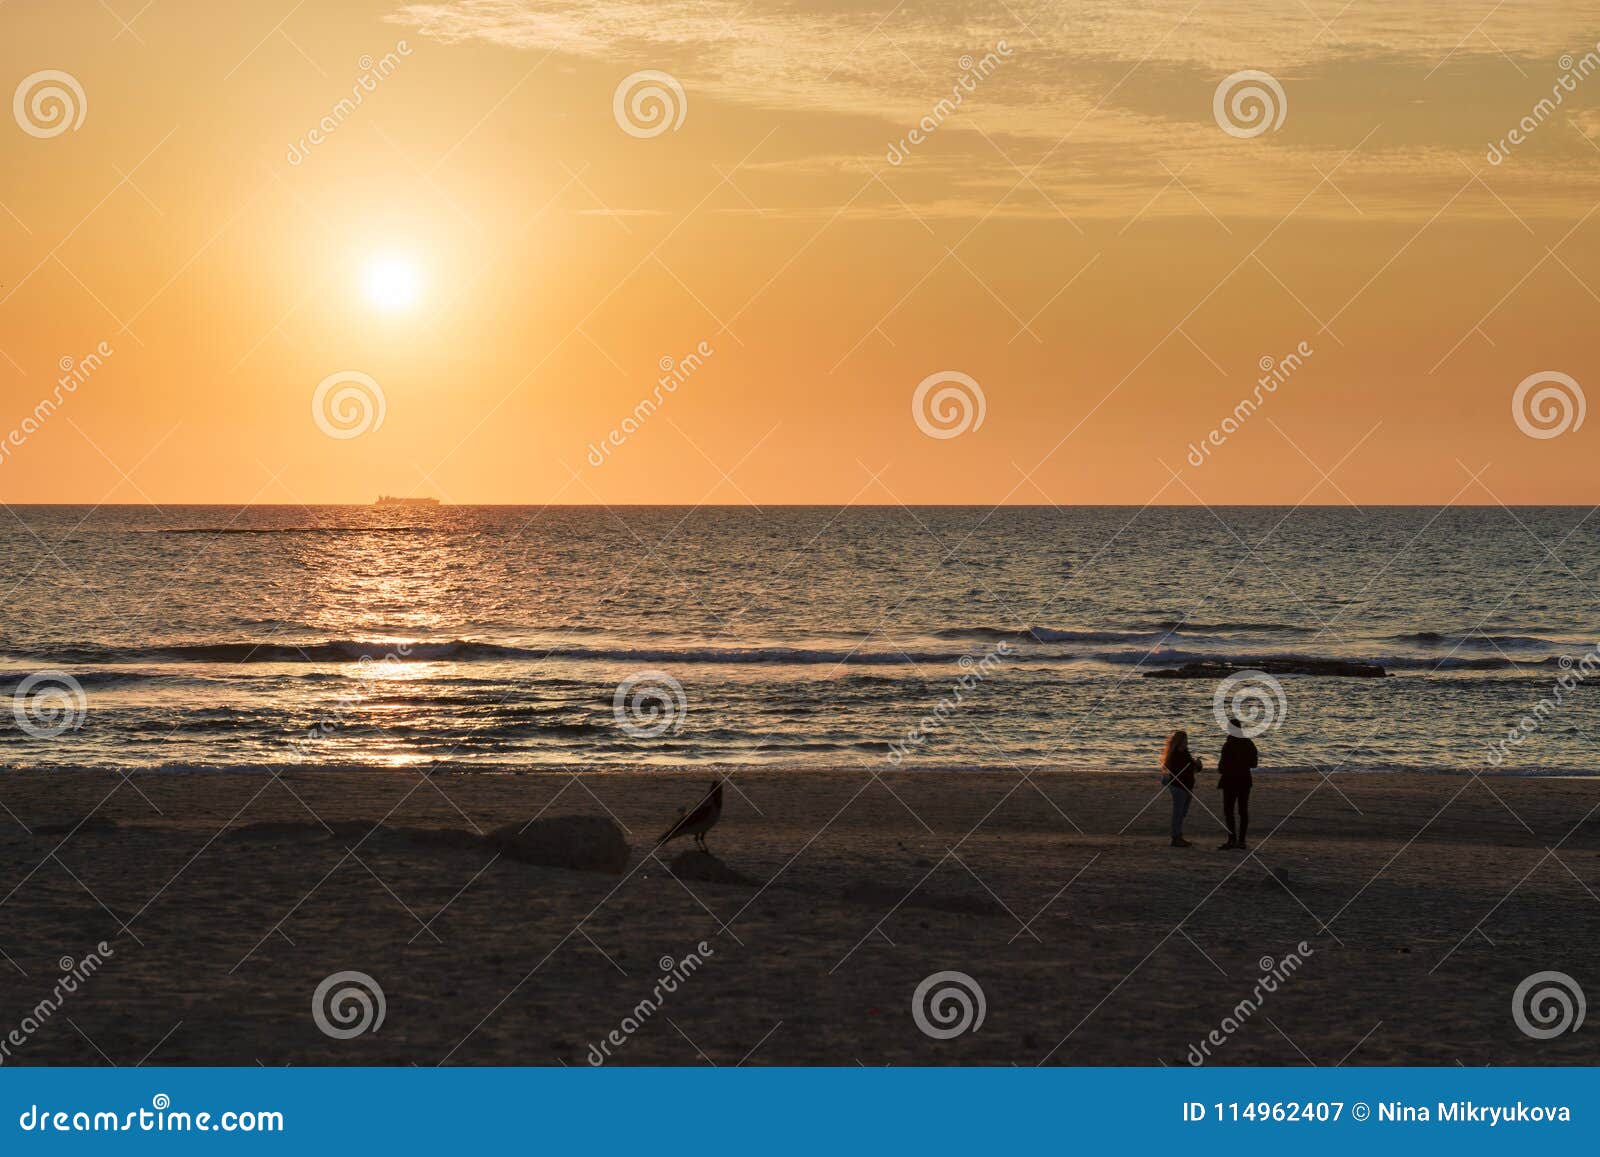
1046 635
1142 650
619 763
1501 642
94 679
378 650
289 530
1137 633
1222 628
1175 658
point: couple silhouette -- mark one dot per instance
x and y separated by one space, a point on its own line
1180 767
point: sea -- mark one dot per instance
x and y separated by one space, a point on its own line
502 638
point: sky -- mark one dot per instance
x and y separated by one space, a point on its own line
522 251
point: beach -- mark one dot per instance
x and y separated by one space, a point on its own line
216 903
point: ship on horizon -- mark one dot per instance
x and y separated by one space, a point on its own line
395 500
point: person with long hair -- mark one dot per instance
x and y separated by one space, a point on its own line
1178 771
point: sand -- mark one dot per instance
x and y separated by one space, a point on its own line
225 899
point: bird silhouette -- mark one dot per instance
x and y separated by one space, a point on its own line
698 821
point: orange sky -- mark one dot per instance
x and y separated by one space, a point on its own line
1080 236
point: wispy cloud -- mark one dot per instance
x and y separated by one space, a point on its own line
1094 103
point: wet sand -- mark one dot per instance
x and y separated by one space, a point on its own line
225 899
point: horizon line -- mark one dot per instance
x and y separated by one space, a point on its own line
836 505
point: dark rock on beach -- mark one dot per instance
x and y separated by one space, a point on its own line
1339 668
583 843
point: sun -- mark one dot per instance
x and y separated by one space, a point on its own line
392 282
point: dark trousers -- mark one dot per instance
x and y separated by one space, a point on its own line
1236 796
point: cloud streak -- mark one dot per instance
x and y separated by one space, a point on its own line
1099 105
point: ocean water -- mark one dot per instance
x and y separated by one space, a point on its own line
497 638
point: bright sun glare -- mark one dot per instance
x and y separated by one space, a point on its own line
392 282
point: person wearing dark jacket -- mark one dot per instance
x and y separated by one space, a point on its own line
1234 765
1178 771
